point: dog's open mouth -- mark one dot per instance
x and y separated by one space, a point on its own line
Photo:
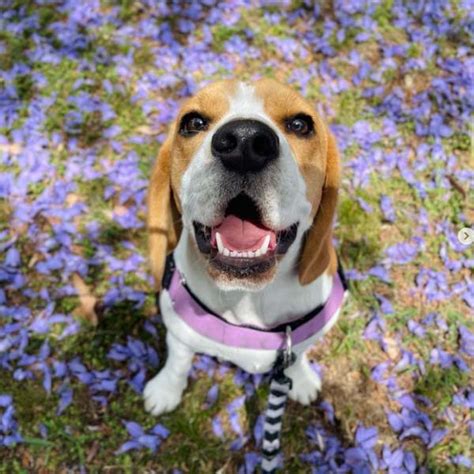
241 244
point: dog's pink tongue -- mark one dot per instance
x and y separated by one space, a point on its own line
238 234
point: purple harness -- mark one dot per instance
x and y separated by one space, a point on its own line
208 324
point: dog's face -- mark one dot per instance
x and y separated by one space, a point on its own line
249 168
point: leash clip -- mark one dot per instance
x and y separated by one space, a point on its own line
288 356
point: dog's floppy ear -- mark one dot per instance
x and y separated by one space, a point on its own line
318 253
163 217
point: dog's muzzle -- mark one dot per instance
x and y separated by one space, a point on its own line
241 245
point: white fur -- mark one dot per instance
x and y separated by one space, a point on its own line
206 188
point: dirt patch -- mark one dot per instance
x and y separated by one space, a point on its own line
357 399
347 385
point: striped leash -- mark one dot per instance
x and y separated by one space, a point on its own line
280 385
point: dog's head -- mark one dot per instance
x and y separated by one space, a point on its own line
252 172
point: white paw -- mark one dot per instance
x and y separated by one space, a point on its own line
306 385
161 396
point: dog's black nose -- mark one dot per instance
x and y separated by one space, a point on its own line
245 145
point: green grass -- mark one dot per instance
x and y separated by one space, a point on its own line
358 233
350 107
439 385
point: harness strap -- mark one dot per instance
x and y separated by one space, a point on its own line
195 314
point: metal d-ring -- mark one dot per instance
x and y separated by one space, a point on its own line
287 353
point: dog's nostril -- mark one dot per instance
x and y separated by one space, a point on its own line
263 145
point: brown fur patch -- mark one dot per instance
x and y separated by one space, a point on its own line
212 102
281 102
318 159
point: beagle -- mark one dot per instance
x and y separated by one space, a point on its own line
243 194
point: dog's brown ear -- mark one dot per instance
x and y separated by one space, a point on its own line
163 217
318 253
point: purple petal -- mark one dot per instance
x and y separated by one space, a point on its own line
235 422
355 456
238 443
466 341
436 436
366 437
392 459
251 461
133 428
217 427
409 462
212 396
236 404
12 258
385 305
461 460
149 441
65 400
395 421
380 272
328 411
258 429
127 446
5 400
160 430
416 328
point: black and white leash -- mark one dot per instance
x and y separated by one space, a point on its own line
280 385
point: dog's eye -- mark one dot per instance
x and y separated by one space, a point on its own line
191 124
301 125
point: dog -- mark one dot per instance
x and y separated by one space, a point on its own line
240 211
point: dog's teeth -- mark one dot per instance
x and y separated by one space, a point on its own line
265 244
220 245
246 254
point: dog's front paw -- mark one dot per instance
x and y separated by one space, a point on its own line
161 396
305 384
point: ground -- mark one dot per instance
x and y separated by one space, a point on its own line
87 91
